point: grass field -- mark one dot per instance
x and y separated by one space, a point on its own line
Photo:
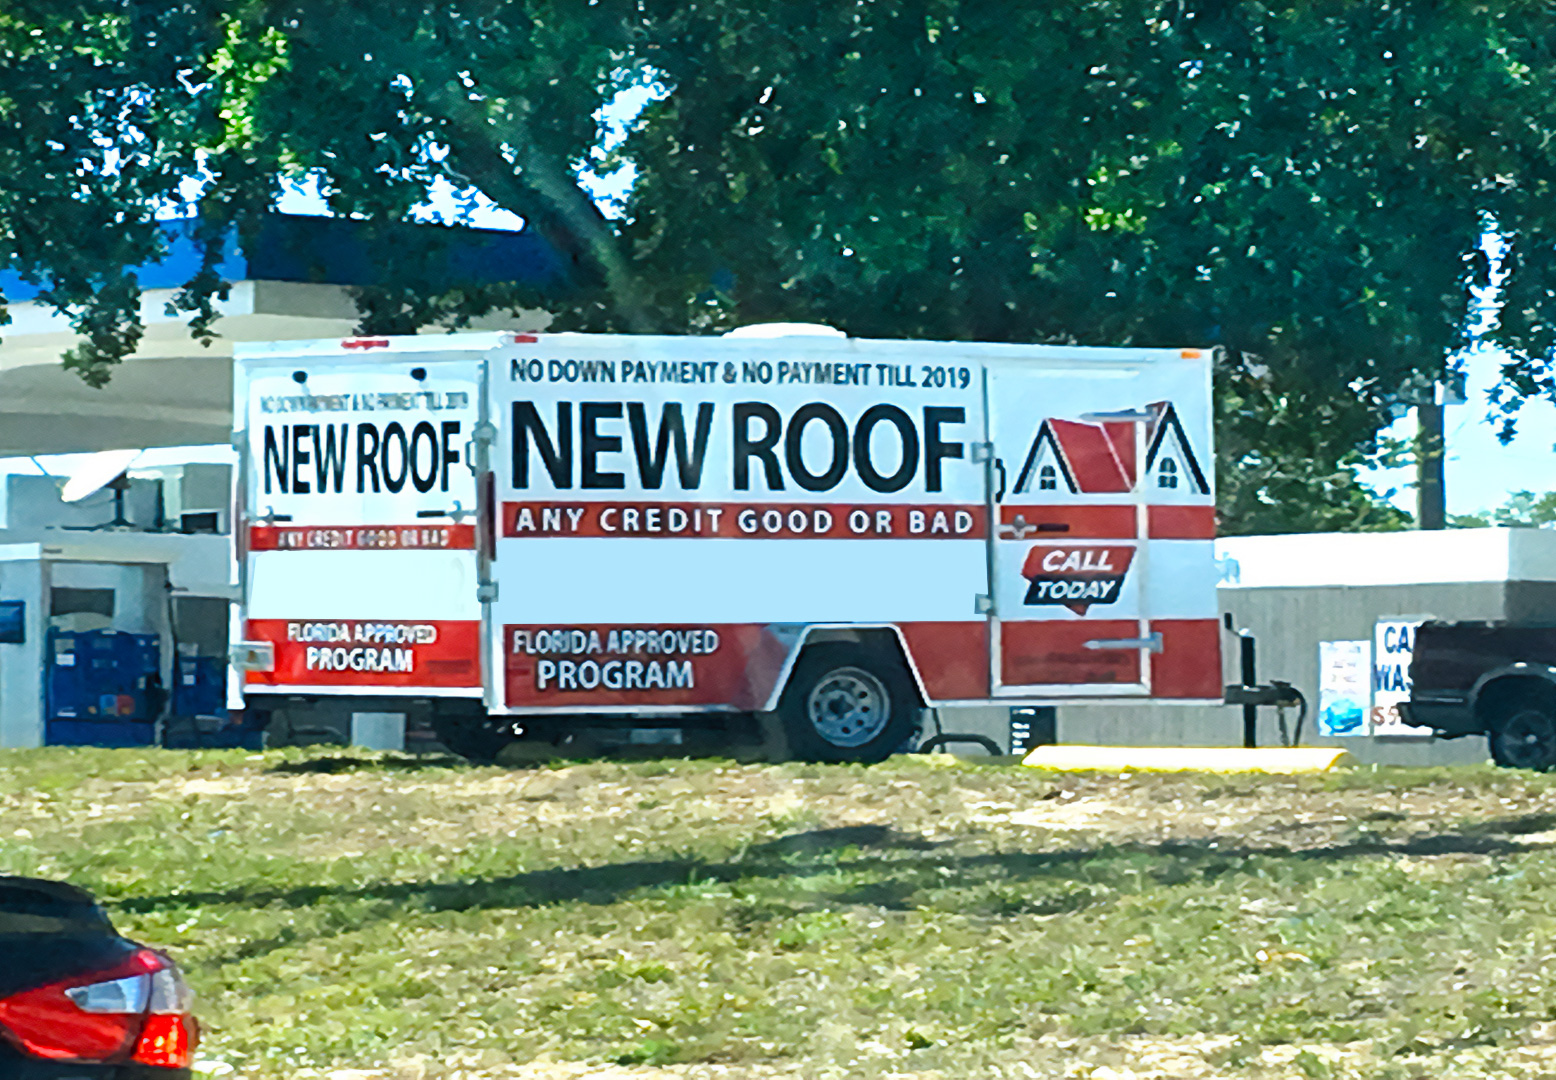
366 916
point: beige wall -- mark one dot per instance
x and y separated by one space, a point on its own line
1288 624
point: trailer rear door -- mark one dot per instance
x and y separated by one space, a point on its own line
359 522
1104 577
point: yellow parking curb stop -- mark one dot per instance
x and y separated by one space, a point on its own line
1218 759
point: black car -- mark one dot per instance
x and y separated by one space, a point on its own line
80 1002
1491 678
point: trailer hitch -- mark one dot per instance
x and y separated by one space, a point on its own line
1276 692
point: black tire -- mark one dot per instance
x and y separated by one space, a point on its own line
847 702
473 735
1524 737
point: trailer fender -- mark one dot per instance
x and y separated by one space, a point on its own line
885 638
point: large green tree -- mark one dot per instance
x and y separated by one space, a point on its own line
1302 183
102 117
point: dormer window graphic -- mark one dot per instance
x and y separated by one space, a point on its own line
1085 458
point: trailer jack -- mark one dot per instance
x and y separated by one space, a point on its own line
1251 694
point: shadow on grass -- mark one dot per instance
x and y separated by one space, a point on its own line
1523 825
909 868
589 884
344 764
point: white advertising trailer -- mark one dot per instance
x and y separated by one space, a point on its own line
543 534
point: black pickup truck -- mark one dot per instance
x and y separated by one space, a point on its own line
1492 679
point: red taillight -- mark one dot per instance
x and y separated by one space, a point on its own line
142 1002
167 1041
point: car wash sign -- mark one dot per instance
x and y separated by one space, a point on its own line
1394 642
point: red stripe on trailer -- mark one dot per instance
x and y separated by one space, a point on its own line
431 537
952 658
1183 522
369 652
1181 669
737 665
1054 652
365 343
742 521
727 664
1111 522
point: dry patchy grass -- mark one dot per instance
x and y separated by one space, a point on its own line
371 917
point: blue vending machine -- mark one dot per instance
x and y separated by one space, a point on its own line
199 717
102 688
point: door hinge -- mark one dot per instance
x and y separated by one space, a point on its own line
486 592
983 604
982 451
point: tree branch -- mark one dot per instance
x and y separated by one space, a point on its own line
541 176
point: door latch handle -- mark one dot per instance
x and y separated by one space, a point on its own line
1152 643
458 513
1018 528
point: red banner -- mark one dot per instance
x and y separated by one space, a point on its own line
743 521
361 537
732 665
736 665
369 653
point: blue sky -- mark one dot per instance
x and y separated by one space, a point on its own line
1480 472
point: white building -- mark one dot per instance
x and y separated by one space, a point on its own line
167 571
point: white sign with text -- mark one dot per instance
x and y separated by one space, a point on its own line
1392 646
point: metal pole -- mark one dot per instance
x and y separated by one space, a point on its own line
1250 678
1431 497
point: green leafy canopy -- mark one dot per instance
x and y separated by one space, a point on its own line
1304 183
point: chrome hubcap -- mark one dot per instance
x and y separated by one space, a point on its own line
849 707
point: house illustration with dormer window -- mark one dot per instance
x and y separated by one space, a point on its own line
1077 457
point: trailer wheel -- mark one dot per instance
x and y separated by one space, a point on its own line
847 702
1524 737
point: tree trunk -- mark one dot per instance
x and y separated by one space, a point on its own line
535 177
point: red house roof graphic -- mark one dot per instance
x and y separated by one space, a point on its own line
1098 458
